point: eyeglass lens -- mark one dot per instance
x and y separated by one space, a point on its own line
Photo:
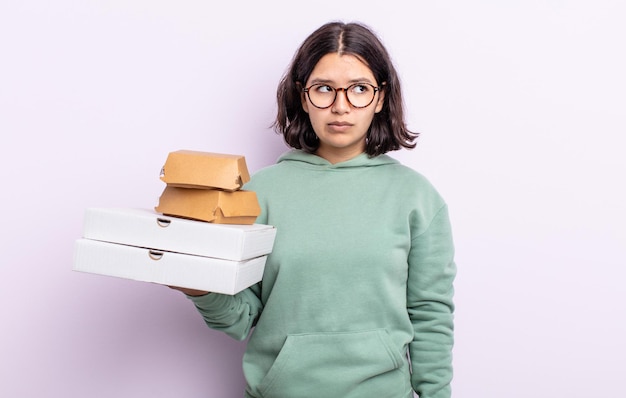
359 95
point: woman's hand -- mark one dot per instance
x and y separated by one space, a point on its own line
189 292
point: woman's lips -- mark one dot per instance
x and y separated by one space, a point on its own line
339 126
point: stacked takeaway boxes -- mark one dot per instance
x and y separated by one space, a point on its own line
201 235
207 186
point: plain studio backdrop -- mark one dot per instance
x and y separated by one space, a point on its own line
521 106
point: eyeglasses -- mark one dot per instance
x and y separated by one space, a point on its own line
359 95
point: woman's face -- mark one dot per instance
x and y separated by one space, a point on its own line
341 128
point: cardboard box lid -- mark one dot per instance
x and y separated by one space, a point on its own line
167 268
147 228
211 205
196 169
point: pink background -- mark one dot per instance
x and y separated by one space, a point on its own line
521 106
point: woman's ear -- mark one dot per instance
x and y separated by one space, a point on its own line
305 104
381 98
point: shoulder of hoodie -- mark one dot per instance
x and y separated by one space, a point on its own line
414 182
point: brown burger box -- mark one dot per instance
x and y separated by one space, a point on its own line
210 205
196 169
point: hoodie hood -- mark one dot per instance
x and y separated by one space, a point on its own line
308 160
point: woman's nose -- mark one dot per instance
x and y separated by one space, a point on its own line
341 104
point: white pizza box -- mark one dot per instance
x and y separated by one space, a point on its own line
147 228
166 268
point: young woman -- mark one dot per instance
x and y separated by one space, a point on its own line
356 299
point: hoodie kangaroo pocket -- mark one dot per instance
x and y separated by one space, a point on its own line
359 364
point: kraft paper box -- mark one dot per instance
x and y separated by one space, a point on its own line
147 228
167 268
196 169
210 205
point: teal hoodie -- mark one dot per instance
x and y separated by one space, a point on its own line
360 277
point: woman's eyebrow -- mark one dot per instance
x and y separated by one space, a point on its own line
351 81
321 81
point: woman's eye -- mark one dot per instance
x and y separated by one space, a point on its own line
360 89
324 89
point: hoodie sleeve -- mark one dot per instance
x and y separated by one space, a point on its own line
234 315
430 306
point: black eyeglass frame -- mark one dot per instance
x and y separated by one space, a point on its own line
345 90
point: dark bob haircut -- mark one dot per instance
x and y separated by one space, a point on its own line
388 131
